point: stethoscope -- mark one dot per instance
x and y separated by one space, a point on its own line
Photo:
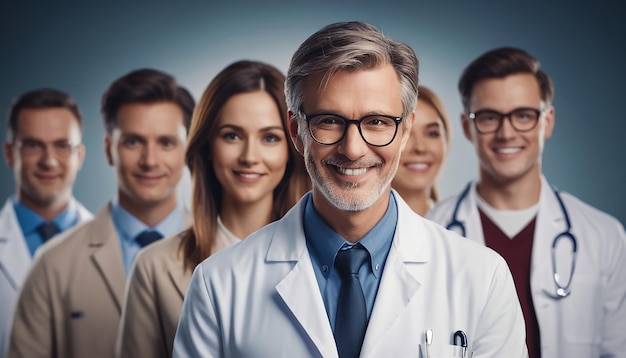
562 290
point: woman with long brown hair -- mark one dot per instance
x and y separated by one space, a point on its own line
245 174
424 154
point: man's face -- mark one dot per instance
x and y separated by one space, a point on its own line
147 149
352 175
508 155
45 156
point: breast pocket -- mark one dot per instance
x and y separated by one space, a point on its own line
581 312
442 351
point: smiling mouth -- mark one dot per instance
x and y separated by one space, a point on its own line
248 175
508 150
351 171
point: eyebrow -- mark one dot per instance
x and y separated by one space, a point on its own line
241 129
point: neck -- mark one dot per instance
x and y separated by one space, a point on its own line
149 213
510 195
419 200
351 225
48 210
242 219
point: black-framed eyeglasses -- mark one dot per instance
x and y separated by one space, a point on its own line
377 130
522 119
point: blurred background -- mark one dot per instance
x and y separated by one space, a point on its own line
81 48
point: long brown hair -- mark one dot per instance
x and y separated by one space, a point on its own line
239 77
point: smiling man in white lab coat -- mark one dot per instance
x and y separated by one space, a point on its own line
568 259
44 150
285 290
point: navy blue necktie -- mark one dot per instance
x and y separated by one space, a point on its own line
147 237
351 319
47 230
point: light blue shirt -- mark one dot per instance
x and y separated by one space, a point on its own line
128 227
29 221
324 243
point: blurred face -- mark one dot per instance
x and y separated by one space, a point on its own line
352 175
249 151
508 155
45 156
424 153
147 149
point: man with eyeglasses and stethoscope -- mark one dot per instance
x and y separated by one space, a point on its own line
568 259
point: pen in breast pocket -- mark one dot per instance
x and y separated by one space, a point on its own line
429 341
460 339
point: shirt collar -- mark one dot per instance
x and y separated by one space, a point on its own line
129 226
324 242
29 220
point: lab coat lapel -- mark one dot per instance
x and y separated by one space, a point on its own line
107 255
299 289
398 285
15 258
468 214
550 222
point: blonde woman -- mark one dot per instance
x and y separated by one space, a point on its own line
424 154
245 174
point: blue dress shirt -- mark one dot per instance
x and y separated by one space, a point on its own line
324 243
29 221
128 227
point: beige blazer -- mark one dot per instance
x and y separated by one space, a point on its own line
71 301
154 297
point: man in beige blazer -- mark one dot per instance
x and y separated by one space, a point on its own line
70 303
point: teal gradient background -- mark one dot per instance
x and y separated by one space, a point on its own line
81 48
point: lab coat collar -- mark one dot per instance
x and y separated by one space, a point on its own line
398 285
14 255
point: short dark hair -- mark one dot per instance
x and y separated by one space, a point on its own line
502 62
40 99
144 86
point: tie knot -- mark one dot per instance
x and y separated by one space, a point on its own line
48 230
348 262
147 237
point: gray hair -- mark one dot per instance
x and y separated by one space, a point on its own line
350 46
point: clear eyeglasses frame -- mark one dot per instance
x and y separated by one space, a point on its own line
378 130
522 119
31 148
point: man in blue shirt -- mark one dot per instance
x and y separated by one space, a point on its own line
71 302
351 270
44 150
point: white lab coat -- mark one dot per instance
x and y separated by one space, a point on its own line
260 298
15 260
591 322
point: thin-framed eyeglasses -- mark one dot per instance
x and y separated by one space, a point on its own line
32 147
522 119
377 130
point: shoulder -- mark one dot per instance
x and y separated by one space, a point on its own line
591 216
67 244
443 209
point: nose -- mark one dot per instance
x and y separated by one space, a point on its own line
506 129
149 155
353 146
48 157
249 152
416 144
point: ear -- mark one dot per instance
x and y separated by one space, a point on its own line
9 154
467 127
549 125
107 149
407 130
81 155
293 133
